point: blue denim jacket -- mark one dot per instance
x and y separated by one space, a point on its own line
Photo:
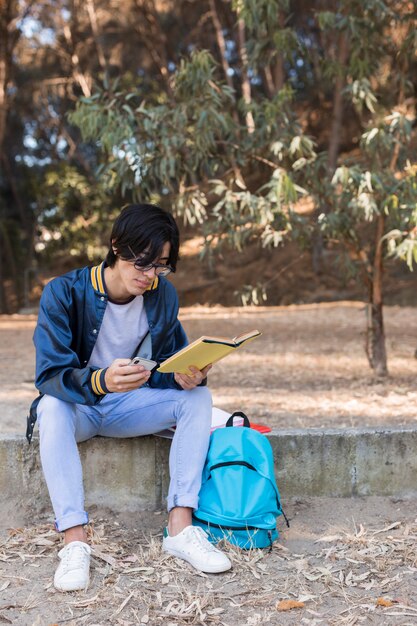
71 311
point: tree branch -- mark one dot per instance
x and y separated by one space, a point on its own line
92 14
221 43
246 88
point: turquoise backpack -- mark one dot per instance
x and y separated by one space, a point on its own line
239 499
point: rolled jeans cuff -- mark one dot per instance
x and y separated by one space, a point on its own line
186 500
69 521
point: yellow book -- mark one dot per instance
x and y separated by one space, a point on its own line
204 351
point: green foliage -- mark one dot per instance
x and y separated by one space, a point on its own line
76 218
330 93
361 94
259 15
194 152
252 295
242 216
372 184
359 29
163 149
377 186
191 150
402 240
269 36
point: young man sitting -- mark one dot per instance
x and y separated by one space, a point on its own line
91 322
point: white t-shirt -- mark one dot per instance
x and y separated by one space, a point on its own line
122 329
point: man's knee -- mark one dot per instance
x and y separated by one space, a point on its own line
203 393
53 412
200 397
197 403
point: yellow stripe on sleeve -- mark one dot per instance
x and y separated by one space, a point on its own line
99 387
94 383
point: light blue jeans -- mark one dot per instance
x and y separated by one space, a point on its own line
140 412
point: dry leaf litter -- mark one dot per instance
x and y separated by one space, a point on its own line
353 575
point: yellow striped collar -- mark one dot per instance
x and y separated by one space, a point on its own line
97 279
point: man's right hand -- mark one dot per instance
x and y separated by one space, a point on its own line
121 377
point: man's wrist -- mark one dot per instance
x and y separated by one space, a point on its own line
98 382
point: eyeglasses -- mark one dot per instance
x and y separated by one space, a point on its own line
160 268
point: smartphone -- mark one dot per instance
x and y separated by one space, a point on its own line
148 364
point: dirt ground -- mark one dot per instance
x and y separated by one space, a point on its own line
342 562
307 370
348 561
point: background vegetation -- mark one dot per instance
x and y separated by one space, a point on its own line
257 122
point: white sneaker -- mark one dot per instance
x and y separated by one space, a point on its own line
73 573
193 546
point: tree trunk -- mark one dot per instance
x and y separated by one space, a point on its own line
221 43
84 81
3 117
269 81
92 14
78 76
3 99
337 118
375 337
377 356
8 38
279 73
274 73
9 268
244 67
7 14
148 26
3 301
334 143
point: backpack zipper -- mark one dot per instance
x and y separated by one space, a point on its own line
227 463
251 467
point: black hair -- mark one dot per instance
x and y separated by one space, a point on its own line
144 228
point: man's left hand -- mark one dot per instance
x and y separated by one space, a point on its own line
189 381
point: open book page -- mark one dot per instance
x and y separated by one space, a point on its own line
246 337
201 355
202 352
235 342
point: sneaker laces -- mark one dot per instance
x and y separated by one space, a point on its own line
74 557
199 538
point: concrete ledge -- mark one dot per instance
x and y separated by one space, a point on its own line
132 474
346 462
